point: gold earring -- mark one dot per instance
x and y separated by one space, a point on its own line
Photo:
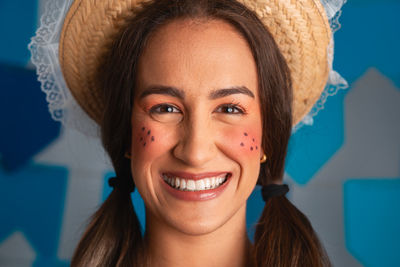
127 155
263 159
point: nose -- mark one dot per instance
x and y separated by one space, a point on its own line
196 145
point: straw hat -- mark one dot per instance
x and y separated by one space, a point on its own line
300 28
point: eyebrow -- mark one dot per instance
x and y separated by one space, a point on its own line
163 90
175 92
231 91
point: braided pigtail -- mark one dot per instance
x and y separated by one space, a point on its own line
113 236
285 237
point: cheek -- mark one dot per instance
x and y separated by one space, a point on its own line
243 141
144 140
149 142
243 145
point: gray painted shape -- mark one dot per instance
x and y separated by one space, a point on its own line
16 251
87 164
371 150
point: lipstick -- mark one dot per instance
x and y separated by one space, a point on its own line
195 187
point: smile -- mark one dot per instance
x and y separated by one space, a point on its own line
183 184
195 186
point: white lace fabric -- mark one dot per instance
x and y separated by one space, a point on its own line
44 50
335 81
64 108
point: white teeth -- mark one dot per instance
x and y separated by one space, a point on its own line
183 184
212 182
191 186
200 185
195 185
207 183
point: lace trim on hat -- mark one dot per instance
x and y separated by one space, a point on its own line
64 108
44 49
335 81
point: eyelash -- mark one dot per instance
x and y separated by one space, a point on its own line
155 109
236 106
240 109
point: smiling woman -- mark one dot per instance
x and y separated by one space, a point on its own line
200 78
194 102
199 129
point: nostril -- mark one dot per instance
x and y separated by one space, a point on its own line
194 153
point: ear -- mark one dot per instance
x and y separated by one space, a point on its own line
127 155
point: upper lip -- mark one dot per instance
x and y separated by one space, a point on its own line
193 176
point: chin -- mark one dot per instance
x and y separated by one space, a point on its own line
200 224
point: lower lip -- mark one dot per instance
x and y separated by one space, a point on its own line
196 195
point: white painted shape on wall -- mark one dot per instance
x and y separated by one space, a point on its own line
371 150
83 198
15 251
87 164
75 150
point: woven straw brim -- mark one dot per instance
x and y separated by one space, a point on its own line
300 28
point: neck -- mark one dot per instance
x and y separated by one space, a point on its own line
227 245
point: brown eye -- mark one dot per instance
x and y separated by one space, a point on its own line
230 109
164 108
166 113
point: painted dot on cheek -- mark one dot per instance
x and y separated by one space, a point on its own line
152 139
144 144
256 147
143 128
141 138
241 144
245 134
148 133
253 140
251 148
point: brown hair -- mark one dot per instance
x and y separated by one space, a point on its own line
284 236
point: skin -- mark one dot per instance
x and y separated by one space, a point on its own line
194 133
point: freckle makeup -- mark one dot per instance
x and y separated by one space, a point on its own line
145 137
246 143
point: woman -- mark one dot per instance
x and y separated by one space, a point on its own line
191 97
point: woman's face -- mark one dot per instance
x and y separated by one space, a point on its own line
196 125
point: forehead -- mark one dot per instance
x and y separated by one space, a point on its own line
197 54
